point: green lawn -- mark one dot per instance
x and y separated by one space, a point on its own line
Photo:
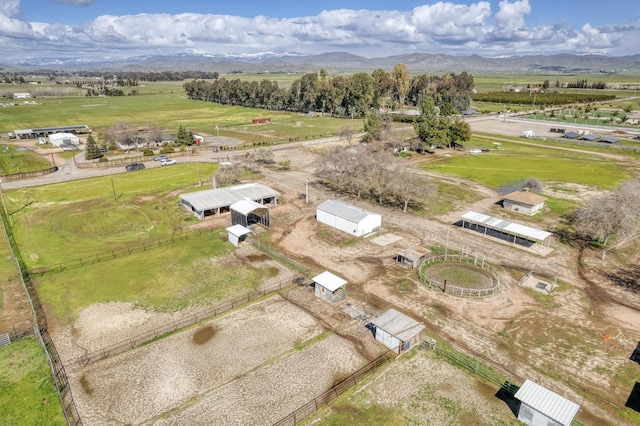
14 161
27 394
164 278
60 222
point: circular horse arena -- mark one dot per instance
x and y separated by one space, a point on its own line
460 275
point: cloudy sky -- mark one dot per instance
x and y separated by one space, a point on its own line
371 28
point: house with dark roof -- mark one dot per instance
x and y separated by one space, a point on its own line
523 201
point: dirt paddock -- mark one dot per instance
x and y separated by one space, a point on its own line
221 372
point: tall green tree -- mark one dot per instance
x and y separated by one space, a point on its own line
401 80
91 149
184 136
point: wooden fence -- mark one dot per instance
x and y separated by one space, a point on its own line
212 311
326 397
58 372
25 175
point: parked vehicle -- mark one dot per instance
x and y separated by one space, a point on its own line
168 162
161 157
134 166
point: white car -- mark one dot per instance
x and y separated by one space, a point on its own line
168 162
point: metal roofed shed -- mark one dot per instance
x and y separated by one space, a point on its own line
247 212
610 139
63 139
347 218
571 135
411 256
589 137
215 201
514 230
397 331
329 287
237 233
540 406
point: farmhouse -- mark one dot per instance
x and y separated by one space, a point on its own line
503 229
523 202
540 406
329 287
237 233
218 200
397 331
246 212
64 139
348 218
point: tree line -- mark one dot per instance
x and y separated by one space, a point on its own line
339 95
525 98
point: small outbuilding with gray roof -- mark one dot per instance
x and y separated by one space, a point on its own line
347 218
397 331
523 202
215 201
610 139
541 407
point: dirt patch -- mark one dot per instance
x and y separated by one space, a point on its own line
203 335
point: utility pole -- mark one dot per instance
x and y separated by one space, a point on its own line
306 191
113 188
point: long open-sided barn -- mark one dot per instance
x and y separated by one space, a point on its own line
347 218
218 200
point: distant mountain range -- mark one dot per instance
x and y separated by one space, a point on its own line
269 62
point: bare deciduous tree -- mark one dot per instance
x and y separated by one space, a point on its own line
533 185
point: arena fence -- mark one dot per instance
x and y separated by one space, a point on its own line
123 346
450 288
58 372
326 397
25 175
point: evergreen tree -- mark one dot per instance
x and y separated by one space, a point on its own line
91 151
184 137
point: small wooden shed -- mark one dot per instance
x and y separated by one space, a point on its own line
397 331
541 407
330 287
411 256
523 202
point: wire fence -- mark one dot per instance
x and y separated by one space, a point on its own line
195 318
341 387
120 251
58 373
476 261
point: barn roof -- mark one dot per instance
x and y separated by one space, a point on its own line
398 325
506 226
590 137
571 135
547 402
61 136
329 281
525 197
223 197
344 211
246 206
238 230
610 139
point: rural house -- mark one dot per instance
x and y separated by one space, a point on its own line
397 331
347 218
329 287
541 407
523 202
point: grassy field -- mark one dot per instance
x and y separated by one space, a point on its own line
491 83
14 161
84 218
165 278
27 394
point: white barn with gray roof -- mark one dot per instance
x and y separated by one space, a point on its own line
218 200
541 407
397 331
347 218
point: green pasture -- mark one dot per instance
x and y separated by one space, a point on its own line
60 222
514 162
167 106
27 393
497 82
14 161
187 272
